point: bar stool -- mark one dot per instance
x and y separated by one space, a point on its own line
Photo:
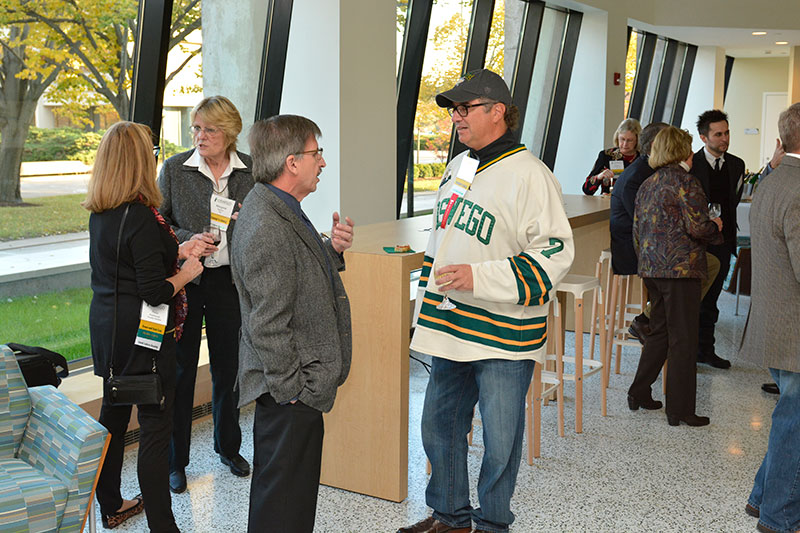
543 384
578 286
599 322
619 317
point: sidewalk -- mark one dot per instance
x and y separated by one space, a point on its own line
30 266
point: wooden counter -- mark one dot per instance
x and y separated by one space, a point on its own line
366 434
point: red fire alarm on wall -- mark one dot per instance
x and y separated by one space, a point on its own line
617 77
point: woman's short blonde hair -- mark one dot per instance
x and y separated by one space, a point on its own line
632 125
671 145
124 168
222 114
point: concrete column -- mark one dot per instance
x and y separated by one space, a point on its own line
232 43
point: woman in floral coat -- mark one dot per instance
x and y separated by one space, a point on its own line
671 229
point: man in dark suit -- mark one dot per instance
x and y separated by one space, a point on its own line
721 174
295 341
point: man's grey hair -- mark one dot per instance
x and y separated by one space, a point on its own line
649 134
789 128
274 139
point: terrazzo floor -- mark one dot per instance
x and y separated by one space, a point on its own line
627 472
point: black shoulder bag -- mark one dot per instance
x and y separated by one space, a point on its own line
142 389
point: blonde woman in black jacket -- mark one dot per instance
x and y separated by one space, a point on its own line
122 187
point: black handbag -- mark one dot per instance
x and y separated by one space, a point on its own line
39 365
144 389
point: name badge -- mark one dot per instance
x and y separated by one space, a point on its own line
616 166
152 324
464 175
221 211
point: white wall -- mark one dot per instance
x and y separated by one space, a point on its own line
750 79
704 90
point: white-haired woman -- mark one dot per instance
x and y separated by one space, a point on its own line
205 187
615 159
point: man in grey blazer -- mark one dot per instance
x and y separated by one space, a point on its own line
295 341
775 234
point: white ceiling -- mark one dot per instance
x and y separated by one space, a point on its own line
737 42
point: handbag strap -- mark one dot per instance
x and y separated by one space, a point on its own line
116 287
116 297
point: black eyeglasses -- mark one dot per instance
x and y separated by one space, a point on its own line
317 153
463 109
156 151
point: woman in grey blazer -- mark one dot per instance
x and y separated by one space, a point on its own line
206 186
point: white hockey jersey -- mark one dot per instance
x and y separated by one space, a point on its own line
511 227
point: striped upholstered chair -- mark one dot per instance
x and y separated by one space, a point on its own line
50 454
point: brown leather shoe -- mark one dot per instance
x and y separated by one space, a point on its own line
431 525
639 329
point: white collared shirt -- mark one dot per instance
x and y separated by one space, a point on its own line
792 154
712 158
220 186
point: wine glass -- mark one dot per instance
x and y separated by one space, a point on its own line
214 232
714 210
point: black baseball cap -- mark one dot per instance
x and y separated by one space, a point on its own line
476 84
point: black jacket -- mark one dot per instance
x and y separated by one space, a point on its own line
735 167
623 201
147 255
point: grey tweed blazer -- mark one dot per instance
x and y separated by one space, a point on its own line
771 337
295 339
187 194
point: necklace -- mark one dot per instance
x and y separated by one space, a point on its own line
222 190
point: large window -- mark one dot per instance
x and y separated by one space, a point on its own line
184 76
545 72
532 47
442 64
657 80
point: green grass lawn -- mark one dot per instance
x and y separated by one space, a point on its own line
52 215
58 321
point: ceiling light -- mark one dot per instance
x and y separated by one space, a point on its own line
759 33
781 42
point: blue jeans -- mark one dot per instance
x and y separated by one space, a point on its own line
498 387
776 491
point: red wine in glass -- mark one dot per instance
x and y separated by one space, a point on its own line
215 234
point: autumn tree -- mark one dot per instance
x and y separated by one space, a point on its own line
30 60
448 43
100 45
85 48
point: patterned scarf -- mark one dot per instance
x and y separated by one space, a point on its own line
181 306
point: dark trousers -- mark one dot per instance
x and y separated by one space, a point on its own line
215 298
287 454
152 465
673 337
709 313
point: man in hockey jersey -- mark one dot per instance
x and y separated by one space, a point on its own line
500 244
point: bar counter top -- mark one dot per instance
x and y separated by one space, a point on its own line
581 210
